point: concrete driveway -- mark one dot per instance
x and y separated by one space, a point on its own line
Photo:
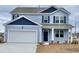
17 48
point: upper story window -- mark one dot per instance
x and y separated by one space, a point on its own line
59 19
62 19
45 19
15 16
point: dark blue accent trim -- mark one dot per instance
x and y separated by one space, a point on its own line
13 17
48 19
42 19
22 21
51 9
64 19
53 19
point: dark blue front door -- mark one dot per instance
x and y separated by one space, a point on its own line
45 35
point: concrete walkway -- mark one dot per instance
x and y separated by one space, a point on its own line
17 48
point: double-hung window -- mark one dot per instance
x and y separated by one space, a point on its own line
59 19
59 33
62 19
45 19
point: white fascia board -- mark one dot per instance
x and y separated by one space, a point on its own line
33 13
23 25
62 9
21 17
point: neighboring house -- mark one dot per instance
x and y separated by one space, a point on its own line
33 25
75 36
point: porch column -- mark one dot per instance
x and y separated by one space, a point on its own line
40 35
71 36
5 34
52 36
68 36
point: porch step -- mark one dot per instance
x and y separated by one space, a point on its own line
46 43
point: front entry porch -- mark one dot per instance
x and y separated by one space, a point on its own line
55 35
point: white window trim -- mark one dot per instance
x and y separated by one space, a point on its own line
55 20
59 19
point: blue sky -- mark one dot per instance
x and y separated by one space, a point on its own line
5 15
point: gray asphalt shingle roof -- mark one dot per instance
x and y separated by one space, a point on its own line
58 26
36 10
27 10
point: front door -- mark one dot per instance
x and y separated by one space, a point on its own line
45 36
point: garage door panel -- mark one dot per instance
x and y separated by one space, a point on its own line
22 36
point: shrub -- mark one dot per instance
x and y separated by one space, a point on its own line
51 41
57 42
66 42
40 43
74 42
70 42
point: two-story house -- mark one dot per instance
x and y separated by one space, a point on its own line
33 25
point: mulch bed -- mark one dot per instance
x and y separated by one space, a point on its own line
58 48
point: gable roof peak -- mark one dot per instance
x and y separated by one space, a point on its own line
64 10
49 9
20 18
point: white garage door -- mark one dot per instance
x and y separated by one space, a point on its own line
22 36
